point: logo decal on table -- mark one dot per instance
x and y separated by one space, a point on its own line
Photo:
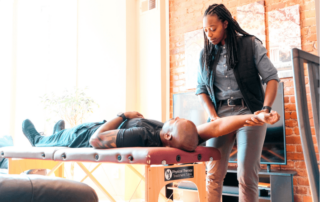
178 173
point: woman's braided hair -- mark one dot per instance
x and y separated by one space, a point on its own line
233 31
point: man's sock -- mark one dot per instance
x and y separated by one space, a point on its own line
60 125
30 132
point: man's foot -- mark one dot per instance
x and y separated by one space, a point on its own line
60 125
30 132
269 118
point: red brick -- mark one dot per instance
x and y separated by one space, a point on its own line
291 148
308 14
175 77
286 99
307 89
308 98
174 51
308 47
178 83
308 6
287 82
289 107
287 115
293 115
295 181
289 91
314 138
310 114
295 156
289 131
298 198
300 189
302 173
304 31
178 70
291 123
309 22
290 164
279 6
300 164
311 122
313 131
312 37
303 181
313 29
297 131
293 140
292 99
307 199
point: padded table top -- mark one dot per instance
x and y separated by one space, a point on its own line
129 155
46 153
138 155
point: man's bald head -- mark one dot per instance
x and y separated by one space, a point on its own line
181 134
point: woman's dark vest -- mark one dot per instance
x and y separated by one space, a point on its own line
247 75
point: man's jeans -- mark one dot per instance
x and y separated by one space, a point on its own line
249 142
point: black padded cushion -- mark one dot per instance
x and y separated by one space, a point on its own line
19 188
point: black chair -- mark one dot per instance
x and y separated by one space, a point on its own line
34 188
300 58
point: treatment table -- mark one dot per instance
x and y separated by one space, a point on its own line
163 165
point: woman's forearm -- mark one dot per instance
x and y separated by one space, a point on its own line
271 93
207 105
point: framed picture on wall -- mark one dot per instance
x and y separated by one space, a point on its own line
284 35
251 19
194 42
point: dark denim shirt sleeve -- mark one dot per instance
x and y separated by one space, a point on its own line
265 68
201 87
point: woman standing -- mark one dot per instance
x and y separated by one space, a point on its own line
229 84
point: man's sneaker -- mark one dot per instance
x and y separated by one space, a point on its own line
30 132
60 125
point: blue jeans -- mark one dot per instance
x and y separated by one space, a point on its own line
249 142
4 142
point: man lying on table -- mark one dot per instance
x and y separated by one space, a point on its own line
130 129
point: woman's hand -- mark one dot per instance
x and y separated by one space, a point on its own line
214 118
133 114
269 118
255 121
263 117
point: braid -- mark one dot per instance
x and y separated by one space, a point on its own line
233 31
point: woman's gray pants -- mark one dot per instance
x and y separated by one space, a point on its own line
249 142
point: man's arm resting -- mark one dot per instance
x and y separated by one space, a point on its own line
105 137
104 140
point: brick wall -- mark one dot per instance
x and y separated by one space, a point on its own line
186 16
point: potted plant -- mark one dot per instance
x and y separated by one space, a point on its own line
73 106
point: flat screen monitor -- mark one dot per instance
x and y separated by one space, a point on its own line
187 105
